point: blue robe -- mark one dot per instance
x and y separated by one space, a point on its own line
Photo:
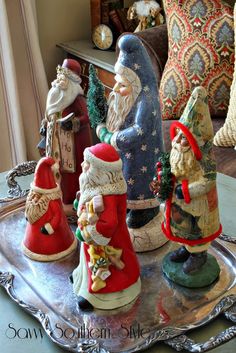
140 139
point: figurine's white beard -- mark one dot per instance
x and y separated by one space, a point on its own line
58 99
34 210
119 108
99 182
89 180
183 161
95 177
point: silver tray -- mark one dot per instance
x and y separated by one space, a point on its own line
163 312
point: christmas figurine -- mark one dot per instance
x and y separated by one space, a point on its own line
187 181
48 236
65 129
133 126
148 13
108 274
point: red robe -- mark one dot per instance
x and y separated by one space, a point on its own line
112 224
83 139
50 244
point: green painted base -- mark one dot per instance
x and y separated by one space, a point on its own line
205 276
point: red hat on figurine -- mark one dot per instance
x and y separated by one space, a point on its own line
103 156
44 180
72 65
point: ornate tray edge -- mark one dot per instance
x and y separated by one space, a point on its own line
172 336
7 282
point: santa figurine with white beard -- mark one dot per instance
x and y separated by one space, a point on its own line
191 210
108 274
48 236
66 127
133 127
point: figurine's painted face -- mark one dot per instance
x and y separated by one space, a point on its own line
34 197
122 86
180 139
182 159
61 81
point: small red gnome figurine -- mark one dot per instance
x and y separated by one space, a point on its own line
48 236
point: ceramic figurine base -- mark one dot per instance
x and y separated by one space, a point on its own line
163 312
204 277
148 237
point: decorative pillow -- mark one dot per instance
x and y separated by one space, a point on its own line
201 52
226 136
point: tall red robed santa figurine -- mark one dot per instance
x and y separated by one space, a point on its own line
108 274
66 127
48 236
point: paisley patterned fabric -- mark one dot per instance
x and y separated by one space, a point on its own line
226 136
201 52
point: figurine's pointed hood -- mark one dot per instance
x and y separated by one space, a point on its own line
195 122
196 125
44 179
134 58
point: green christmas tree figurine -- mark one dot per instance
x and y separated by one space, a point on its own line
96 100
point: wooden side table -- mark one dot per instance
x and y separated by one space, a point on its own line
85 53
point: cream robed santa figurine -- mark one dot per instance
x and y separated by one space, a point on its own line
133 126
48 236
66 128
108 274
191 209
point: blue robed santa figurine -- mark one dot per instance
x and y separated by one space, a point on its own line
108 274
133 126
191 206
48 236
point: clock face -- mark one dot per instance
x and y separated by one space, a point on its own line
102 37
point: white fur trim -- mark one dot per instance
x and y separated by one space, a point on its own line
142 204
113 140
114 300
106 301
44 191
49 228
99 163
99 128
119 188
97 237
47 258
197 248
